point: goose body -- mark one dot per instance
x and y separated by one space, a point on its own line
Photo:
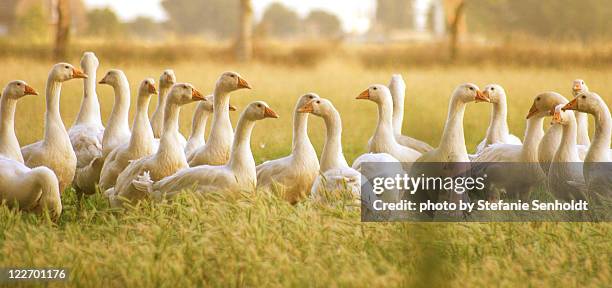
397 87
498 131
216 151
383 140
565 179
237 175
87 131
295 173
35 189
141 140
55 150
9 145
167 160
335 173
597 169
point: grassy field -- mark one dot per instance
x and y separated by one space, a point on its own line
257 240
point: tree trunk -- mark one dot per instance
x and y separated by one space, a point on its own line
62 35
244 43
456 25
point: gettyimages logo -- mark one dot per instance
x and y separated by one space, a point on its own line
410 184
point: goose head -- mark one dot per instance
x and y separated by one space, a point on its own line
543 103
89 61
231 81
63 72
207 104
167 79
17 89
147 87
495 93
306 98
258 110
469 92
579 86
113 77
318 107
184 93
588 102
376 93
560 116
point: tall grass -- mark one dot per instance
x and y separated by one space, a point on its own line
250 239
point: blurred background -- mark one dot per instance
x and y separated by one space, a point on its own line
372 32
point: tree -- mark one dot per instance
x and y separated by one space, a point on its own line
62 35
103 23
456 23
215 17
244 43
325 23
32 24
280 21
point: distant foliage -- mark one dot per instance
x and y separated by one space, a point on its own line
32 24
215 17
394 14
144 28
551 19
280 21
103 22
325 23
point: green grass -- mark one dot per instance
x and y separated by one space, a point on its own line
258 240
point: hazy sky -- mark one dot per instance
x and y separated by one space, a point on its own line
355 15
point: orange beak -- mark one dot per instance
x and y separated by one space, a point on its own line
152 89
196 95
243 83
168 78
307 108
29 90
269 113
481 97
102 81
572 105
364 95
532 111
232 107
78 73
577 87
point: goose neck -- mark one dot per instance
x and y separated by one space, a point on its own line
9 145
398 111
384 128
453 139
53 119
90 107
300 139
221 123
498 125
170 134
119 115
582 120
198 125
241 157
567 151
332 156
533 135
600 145
141 127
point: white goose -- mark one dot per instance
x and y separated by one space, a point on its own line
579 86
217 148
87 131
167 160
166 80
198 125
117 130
517 180
498 131
141 140
597 169
55 150
335 174
383 140
565 179
9 145
237 175
397 86
295 173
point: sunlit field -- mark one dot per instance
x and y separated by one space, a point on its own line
249 239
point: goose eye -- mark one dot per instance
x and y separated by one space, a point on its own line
538 99
582 82
310 97
258 105
18 84
472 88
374 88
66 67
233 76
583 97
492 88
